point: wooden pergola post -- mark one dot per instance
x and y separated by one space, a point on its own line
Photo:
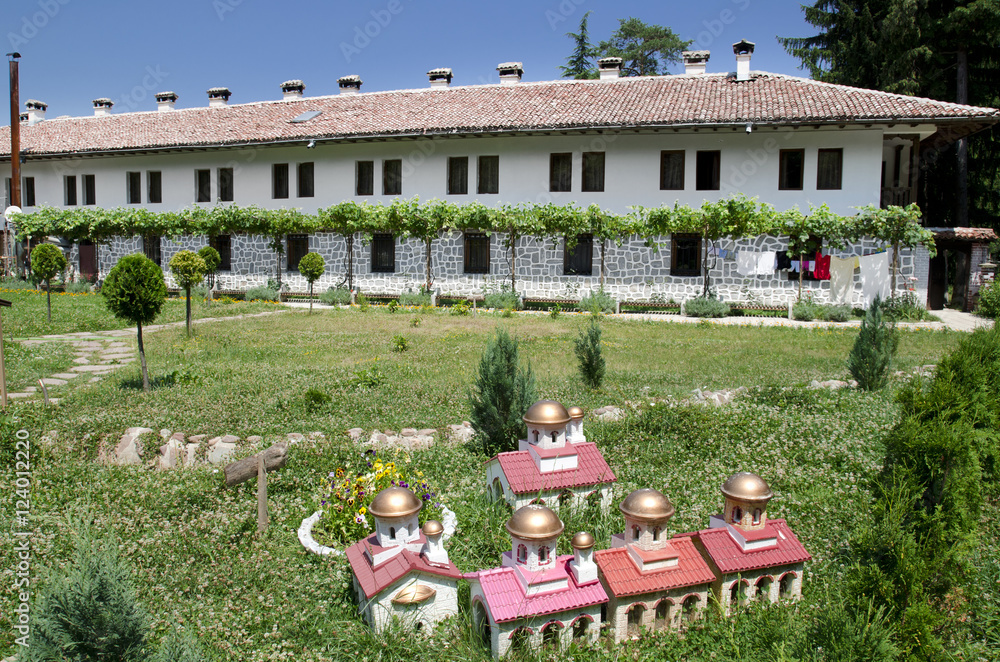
3 373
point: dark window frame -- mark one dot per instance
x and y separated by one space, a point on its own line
383 253
488 178
154 186
670 183
579 260
708 174
785 157
133 188
305 179
476 253
223 243
226 184
823 184
364 178
28 192
592 171
561 172
296 247
392 177
279 181
679 252
89 189
152 248
458 175
202 185
70 198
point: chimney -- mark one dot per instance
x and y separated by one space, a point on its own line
434 550
292 89
218 97
350 84
36 111
440 77
102 106
743 51
695 61
582 566
610 67
510 72
165 101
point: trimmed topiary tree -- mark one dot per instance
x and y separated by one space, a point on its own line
212 262
47 261
312 266
870 360
188 269
588 353
134 290
502 393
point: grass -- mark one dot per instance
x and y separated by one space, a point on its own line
192 543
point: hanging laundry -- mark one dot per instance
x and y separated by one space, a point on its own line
765 263
794 268
783 261
822 269
842 279
746 263
874 276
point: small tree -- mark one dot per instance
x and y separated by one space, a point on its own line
134 290
47 261
502 393
212 262
312 266
870 359
188 269
588 352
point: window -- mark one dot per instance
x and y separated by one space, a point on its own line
203 185
154 186
685 255
522 554
561 172
756 516
579 260
365 178
672 170
133 181
593 171
29 192
707 170
298 246
488 175
635 532
477 253
458 175
543 555
224 244
737 515
305 180
69 190
89 190
392 532
8 199
151 248
656 533
383 253
830 169
392 177
279 181
580 628
226 184
790 165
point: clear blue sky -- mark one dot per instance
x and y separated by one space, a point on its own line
73 51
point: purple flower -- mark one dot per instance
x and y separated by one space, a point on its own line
402 484
427 497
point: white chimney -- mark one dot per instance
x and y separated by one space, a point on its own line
582 566
165 101
510 72
218 96
350 84
743 51
102 106
695 61
292 89
36 111
610 67
440 77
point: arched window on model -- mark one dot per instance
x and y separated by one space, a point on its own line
543 555
756 516
522 554
555 435
656 533
392 532
536 435
737 515
635 533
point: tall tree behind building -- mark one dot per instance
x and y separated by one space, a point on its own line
646 50
581 63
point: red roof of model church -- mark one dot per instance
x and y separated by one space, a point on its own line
524 478
625 578
730 558
375 580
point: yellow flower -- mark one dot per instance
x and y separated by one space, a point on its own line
363 510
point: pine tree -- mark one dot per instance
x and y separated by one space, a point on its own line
646 50
503 392
588 353
580 64
870 359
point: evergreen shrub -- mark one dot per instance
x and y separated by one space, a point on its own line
989 301
502 393
588 353
706 307
597 301
870 360
336 296
261 294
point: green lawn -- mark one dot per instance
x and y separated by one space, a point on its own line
192 543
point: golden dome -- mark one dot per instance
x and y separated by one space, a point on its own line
433 528
746 486
546 412
575 413
414 594
534 522
583 540
394 503
647 505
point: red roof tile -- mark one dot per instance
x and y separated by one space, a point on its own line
965 234
730 558
624 578
627 102
507 602
374 580
524 478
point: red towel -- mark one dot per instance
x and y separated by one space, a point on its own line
822 269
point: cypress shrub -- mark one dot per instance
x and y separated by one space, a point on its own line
503 391
588 353
870 360
179 646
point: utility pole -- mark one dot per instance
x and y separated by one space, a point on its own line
15 146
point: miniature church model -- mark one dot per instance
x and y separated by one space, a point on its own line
651 582
401 571
751 556
537 598
554 465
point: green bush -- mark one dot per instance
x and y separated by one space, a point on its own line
393 305
316 399
870 360
179 646
200 293
16 284
188 269
78 287
597 301
47 261
400 343
414 322
588 353
989 301
805 311
261 294
461 308
503 391
336 296
706 307
502 297
362 301
838 313
904 307
134 290
90 612
415 299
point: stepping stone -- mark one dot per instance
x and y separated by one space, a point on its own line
18 396
111 356
116 362
66 375
31 389
81 360
91 368
94 380
49 381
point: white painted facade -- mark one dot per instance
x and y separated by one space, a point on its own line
380 610
581 626
675 609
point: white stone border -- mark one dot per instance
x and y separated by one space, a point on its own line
305 532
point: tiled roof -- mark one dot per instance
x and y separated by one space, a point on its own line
651 101
965 234
374 580
524 478
624 578
507 602
729 558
